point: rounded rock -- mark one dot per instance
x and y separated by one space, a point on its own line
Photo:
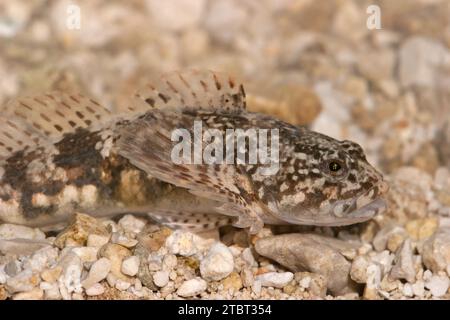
218 263
192 287
161 278
275 279
130 266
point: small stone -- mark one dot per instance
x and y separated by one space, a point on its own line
144 273
122 285
192 287
419 58
41 259
248 257
305 282
86 254
373 282
247 278
12 231
123 240
154 240
99 270
233 281
436 251
97 240
130 266
403 264
358 271
23 282
116 254
438 285
51 291
70 279
418 288
420 229
161 278
111 279
388 284
80 227
408 290
257 287
218 263
130 223
51 275
311 252
34 294
169 262
95 290
385 260
182 243
176 15
427 275
381 239
12 268
275 279
3 293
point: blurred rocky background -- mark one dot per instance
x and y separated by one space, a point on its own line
313 63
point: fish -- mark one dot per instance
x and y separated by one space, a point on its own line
63 152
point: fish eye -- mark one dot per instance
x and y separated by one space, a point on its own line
334 166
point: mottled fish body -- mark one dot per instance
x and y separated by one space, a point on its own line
61 153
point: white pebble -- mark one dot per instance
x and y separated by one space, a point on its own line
86 254
130 223
438 285
111 279
305 282
123 240
248 257
99 270
22 282
161 278
181 243
419 288
95 290
2 274
137 284
256 287
408 290
218 263
70 280
13 231
192 287
97 240
275 279
41 259
427 275
130 266
122 285
169 262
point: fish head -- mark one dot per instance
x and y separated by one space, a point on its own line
326 182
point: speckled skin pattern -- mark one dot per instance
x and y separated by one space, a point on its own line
93 162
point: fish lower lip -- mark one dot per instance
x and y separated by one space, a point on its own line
369 210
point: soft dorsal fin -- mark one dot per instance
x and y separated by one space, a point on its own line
15 136
206 90
54 114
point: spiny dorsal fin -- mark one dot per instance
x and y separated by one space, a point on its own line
54 114
206 90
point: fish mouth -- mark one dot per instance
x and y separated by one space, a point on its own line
345 212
